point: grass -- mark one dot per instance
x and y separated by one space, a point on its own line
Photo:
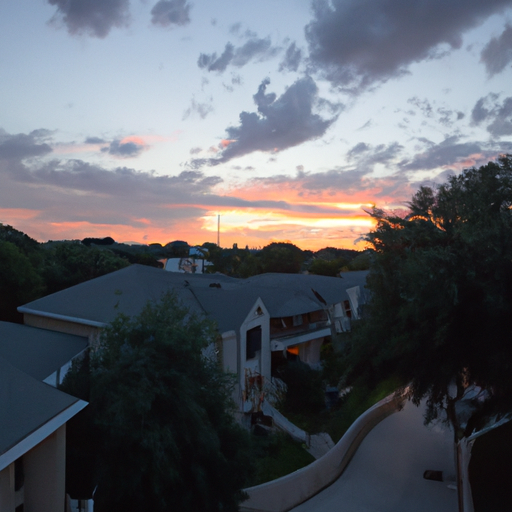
354 404
275 456
337 420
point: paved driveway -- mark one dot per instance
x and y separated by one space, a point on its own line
386 473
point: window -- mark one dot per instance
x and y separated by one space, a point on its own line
253 342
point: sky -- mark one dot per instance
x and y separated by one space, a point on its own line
146 120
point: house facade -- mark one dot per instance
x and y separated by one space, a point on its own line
262 321
33 417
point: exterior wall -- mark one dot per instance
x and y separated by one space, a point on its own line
52 324
45 474
229 352
7 496
258 366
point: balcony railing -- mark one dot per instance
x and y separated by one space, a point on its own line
285 332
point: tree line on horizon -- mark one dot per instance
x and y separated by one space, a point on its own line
30 269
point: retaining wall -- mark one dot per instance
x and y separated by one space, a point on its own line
284 493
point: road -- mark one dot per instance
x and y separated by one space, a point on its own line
386 473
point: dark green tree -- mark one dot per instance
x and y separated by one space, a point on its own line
323 267
281 257
169 440
19 281
70 263
441 294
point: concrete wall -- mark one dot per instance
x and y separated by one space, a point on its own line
289 491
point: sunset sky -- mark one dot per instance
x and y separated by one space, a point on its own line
144 120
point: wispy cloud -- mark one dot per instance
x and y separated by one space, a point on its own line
255 49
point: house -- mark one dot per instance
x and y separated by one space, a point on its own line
262 320
33 416
194 263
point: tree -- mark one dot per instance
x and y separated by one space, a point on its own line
281 257
71 263
163 410
441 295
19 282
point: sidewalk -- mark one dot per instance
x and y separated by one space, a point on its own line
386 473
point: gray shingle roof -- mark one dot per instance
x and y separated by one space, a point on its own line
127 291
26 404
37 352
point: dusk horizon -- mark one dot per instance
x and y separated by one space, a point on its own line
145 121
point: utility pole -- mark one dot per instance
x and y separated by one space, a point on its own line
218 231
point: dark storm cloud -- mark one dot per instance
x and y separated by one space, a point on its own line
292 59
495 114
171 12
124 149
497 53
448 152
359 43
280 123
253 49
21 146
91 17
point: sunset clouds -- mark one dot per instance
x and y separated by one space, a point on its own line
144 121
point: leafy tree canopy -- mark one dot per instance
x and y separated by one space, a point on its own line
163 410
70 263
19 282
441 286
281 257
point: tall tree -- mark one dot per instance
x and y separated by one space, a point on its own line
70 263
19 281
441 294
163 410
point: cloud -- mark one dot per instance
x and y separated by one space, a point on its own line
202 109
126 148
358 43
92 17
495 114
368 156
171 12
95 140
497 53
450 152
21 146
279 124
442 115
254 49
292 58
